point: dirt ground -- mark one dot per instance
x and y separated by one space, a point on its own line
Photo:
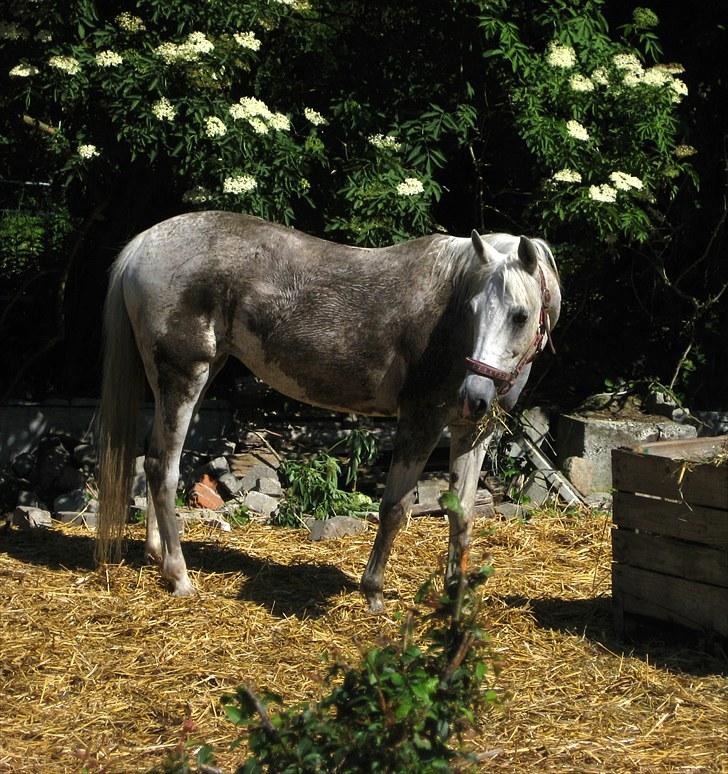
112 665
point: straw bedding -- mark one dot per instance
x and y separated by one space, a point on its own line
110 664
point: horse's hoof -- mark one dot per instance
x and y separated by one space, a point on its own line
375 602
183 589
153 557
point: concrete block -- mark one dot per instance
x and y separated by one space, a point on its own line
27 517
261 503
335 528
230 483
77 519
592 437
257 472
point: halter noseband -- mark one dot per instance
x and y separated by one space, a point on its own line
508 378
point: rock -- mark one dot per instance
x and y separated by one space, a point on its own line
514 510
269 486
70 478
429 490
257 472
27 517
139 502
217 467
204 494
230 483
243 462
51 459
92 506
71 501
205 517
84 455
261 503
23 465
77 518
534 424
599 501
580 472
221 447
26 497
335 528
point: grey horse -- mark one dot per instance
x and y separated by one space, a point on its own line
432 331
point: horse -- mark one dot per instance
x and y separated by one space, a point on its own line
432 330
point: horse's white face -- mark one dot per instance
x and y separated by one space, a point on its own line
505 317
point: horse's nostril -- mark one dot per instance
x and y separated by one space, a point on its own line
482 406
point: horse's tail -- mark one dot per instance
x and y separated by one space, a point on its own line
121 392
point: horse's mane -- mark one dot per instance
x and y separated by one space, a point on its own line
456 262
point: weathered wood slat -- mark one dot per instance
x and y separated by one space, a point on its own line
702 485
692 561
698 606
678 520
683 449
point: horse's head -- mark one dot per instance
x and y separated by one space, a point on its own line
512 311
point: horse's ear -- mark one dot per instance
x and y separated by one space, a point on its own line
484 251
528 254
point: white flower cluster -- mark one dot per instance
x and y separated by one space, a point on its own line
65 63
87 151
313 116
627 62
410 186
108 59
215 127
23 71
603 193
600 76
577 131
296 5
384 142
659 75
581 83
239 184
247 40
680 89
12 31
130 23
560 56
189 51
259 115
625 182
683 151
566 175
164 110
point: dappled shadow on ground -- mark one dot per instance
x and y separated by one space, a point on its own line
301 589
669 647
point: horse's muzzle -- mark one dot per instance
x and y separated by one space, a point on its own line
476 396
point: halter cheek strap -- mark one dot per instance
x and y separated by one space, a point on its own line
508 378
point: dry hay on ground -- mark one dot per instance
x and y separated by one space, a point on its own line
112 664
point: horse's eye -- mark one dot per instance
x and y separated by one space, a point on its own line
519 318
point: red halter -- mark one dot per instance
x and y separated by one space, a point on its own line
508 378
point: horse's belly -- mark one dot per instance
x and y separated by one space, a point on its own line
324 378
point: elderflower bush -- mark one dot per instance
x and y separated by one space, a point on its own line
158 86
601 123
186 89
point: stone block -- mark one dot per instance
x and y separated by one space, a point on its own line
269 486
27 517
514 510
217 467
335 528
580 472
254 474
592 437
230 483
261 503
70 501
429 490
206 518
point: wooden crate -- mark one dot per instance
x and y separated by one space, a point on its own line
670 541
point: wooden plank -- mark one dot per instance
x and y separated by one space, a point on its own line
686 449
662 517
705 485
692 561
695 605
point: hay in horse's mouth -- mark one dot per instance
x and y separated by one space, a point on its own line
496 417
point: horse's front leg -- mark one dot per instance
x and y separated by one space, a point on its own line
466 460
413 444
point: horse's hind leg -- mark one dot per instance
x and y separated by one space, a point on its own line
153 545
176 395
416 438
